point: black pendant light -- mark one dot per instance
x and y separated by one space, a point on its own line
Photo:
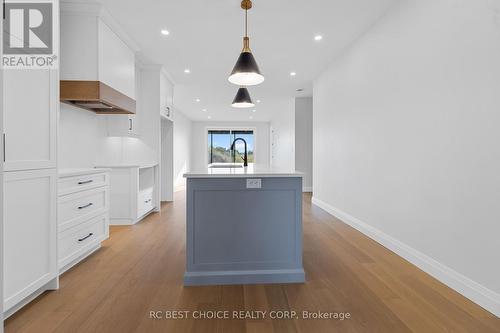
246 71
242 99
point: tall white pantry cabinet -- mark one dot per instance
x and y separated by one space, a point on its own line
30 105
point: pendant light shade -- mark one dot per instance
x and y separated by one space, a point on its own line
242 99
246 71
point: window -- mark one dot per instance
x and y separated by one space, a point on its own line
219 146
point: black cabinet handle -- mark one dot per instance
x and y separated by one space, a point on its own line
85 182
149 200
85 206
84 238
130 124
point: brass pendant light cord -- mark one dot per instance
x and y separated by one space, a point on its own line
246 22
246 5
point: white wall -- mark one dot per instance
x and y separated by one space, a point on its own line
182 147
406 139
199 140
304 140
283 135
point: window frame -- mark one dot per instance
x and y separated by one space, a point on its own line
231 128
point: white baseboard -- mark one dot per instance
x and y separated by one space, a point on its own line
307 189
474 291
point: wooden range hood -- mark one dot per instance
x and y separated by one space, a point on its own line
96 96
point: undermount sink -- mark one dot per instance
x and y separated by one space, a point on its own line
225 165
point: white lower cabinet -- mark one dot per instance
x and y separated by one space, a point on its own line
82 239
145 202
134 192
78 207
77 183
82 214
29 234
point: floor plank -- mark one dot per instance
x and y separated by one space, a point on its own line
140 269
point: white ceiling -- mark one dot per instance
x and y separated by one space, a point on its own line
206 37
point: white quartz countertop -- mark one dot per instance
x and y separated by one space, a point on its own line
140 166
261 171
67 172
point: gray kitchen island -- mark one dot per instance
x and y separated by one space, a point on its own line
244 226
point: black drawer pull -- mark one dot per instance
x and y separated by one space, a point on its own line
85 182
84 238
149 200
85 206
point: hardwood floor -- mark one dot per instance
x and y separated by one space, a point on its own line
140 269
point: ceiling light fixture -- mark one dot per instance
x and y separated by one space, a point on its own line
204 110
254 111
242 99
258 101
187 71
209 117
165 32
293 74
198 100
318 38
246 71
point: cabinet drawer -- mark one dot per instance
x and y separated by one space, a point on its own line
145 202
77 207
75 241
80 183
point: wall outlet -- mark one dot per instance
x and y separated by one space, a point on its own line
254 183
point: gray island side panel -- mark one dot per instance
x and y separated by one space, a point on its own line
238 235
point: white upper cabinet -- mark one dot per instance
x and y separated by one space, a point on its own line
125 125
166 97
79 45
31 100
92 50
122 125
116 62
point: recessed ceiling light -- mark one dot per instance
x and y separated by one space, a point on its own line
254 111
258 101
204 110
165 32
251 117
187 71
293 73
209 117
198 100
318 38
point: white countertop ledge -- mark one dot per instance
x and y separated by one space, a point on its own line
68 172
140 166
252 171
